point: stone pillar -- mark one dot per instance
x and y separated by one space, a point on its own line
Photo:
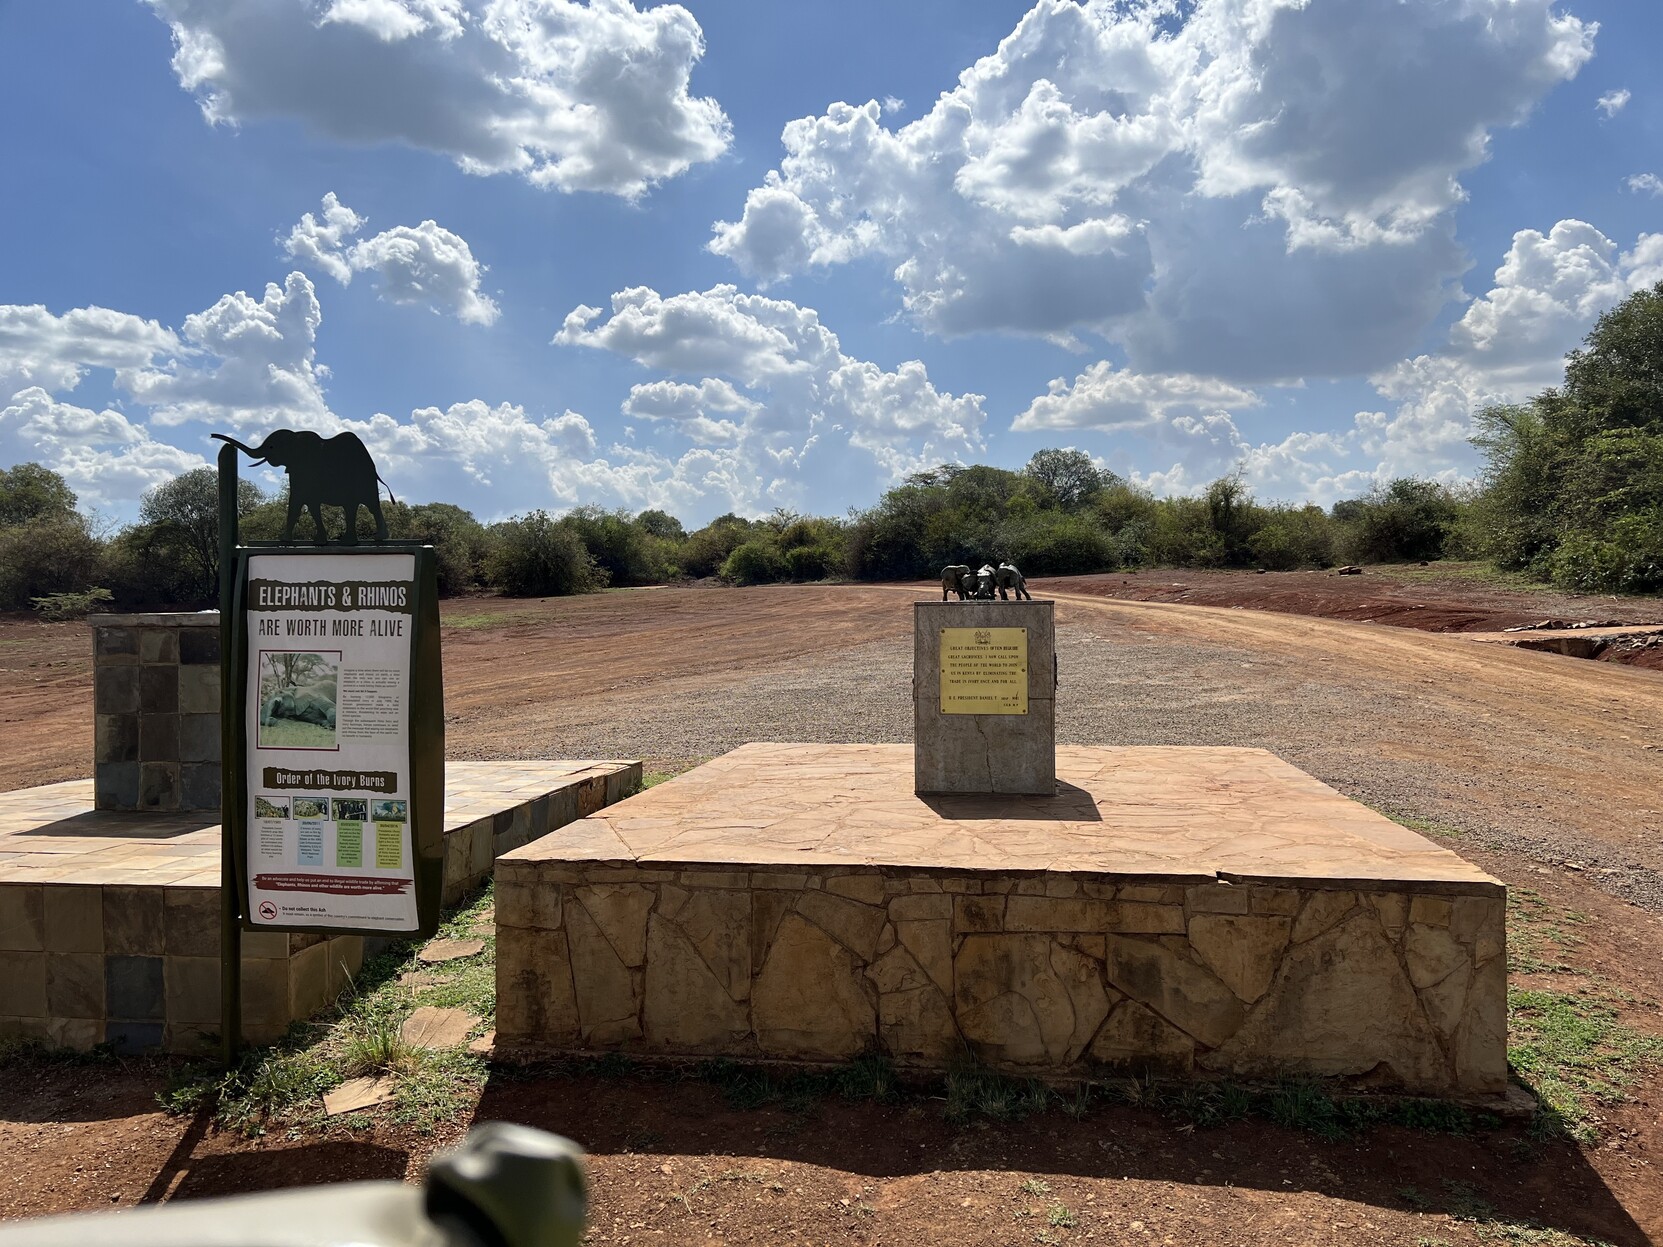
993 730
156 711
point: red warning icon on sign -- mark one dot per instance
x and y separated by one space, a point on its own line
268 911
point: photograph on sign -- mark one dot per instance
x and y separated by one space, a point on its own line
984 671
328 731
298 689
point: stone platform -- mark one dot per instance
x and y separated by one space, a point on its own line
110 921
1197 912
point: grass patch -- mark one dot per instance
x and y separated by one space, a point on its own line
1464 1204
485 620
360 1035
1570 1048
1463 572
1576 1055
981 1093
1538 936
666 770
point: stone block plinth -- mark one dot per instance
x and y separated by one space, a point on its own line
1206 913
156 721
984 678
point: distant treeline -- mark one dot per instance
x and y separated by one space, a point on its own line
1571 493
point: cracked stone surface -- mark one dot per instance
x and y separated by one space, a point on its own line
1173 910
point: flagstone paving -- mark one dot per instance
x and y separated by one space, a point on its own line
1168 814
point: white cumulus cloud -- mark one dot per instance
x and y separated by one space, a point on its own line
54 352
577 96
105 457
1508 345
1647 183
1256 189
245 363
422 265
772 385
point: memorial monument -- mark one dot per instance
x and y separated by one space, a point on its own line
984 895
984 680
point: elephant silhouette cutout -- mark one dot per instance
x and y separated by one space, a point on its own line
323 471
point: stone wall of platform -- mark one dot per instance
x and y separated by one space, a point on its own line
471 848
138 968
1049 974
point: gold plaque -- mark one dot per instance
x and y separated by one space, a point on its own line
984 671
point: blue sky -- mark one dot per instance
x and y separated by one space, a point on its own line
738 256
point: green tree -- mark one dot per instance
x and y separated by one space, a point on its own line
1405 520
53 553
1573 480
661 524
1067 478
625 549
31 492
178 530
460 542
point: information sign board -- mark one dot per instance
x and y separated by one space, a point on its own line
984 671
341 740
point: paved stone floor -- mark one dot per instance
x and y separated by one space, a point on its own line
1172 815
52 834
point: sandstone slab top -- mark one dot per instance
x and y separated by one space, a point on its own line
1156 814
52 834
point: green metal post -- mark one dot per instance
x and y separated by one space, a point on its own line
230 931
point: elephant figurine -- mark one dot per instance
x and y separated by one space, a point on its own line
985 581
334 470
954 580
304 705
1008 578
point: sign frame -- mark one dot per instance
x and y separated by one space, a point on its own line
425 725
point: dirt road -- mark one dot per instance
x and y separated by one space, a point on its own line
1548 765
1546 754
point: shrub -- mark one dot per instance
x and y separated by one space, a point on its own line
754 563
536 556
57 607
56 553
1054 543
706 550
1626 558
627 552
1405 520
809 562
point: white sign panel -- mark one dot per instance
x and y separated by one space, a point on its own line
329 678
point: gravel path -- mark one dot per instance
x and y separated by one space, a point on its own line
1384 743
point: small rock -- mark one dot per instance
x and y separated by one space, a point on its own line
357 1094
450 950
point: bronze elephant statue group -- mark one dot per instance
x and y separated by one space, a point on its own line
1003 582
